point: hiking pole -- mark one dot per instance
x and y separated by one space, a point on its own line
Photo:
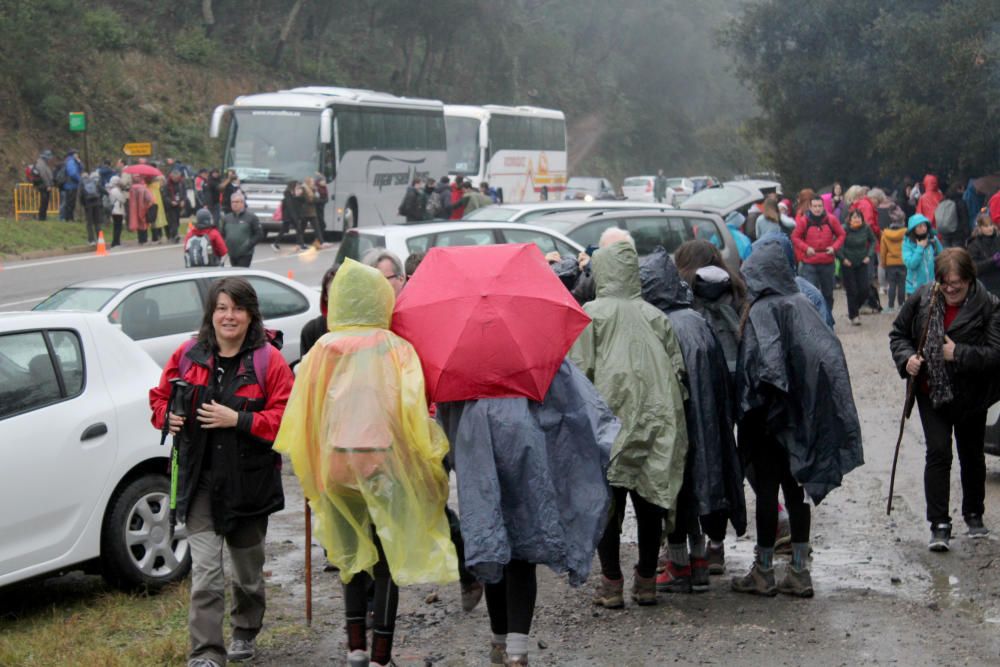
309 587
911 397
177 407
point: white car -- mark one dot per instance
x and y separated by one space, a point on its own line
162 310
83 479
639 188
405 240
678 190
529 212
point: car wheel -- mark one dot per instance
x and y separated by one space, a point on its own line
138 549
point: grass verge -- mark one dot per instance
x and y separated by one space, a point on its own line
18 237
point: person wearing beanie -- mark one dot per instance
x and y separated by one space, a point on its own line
203 233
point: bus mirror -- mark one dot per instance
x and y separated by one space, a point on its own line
217 115
326 126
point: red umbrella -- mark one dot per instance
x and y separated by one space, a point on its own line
143 170
488 321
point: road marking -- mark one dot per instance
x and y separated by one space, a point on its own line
15 303
79 258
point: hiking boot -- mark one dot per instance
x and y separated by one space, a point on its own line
797 582
977 531
716 558
940 536
498 655
357 658
699 575
757 581
674 579
471 595
643 590
241 649
610 593
518 661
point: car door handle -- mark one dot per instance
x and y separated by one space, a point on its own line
94 431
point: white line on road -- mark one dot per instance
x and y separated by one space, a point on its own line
79 258
15 303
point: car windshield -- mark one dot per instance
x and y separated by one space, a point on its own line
273 144
355 246
492 214
463 145
726 197
78 298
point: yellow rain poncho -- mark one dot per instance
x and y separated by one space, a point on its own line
362 443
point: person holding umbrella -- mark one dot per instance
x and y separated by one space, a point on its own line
368 458
630 353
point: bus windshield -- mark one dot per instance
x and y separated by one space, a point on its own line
463 145
273 144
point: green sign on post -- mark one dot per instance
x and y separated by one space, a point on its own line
77 121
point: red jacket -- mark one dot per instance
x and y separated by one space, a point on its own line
817 237
457 211
930 199
995 208
214 237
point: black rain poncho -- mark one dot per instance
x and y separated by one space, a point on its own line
792 365
712 472
531 476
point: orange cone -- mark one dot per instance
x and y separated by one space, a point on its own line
291 274
102 250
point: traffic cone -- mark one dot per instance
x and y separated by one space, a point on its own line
291 274
102 250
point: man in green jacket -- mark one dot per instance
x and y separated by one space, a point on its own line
630 353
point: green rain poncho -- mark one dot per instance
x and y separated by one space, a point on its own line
362 444
631 355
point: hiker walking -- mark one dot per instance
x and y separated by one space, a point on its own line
43 182
955 383
229 478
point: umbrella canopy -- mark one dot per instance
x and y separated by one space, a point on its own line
143 170
488 321
987 185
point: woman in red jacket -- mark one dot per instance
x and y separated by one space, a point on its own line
228 477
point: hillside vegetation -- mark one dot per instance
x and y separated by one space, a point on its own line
642 82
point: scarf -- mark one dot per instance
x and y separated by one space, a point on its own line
937 372
818 220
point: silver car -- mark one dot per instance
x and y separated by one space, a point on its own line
161 310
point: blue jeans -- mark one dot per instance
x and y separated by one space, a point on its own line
820 275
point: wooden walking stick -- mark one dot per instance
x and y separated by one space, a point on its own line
309 587
911 396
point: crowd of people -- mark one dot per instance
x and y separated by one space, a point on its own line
445 198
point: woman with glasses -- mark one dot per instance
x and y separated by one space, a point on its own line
955 383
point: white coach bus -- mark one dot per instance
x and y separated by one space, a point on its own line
368 145
521 151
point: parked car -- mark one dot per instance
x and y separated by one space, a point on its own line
649 229
582 187
702 182
407 239
534 210
730 196
639 188
678 190
83 478
162 310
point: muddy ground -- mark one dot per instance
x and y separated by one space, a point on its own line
881 597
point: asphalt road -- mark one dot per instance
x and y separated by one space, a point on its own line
24 284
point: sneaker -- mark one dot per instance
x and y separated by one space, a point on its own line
757 581
940 535
303 246
241 649
643 590
610 593
471 595
716 558
517 661
276 247
202 662
674 579
498 655
977 531
797 582
856 321
357 658
699 575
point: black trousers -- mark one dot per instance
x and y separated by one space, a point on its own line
43 203
294 224
241 261
511 601
856 282
650 528
94 215
386 594
771 472
116 221
173 221
969 428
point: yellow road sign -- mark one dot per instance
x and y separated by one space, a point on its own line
138 149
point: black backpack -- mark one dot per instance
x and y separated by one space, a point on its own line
59 178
